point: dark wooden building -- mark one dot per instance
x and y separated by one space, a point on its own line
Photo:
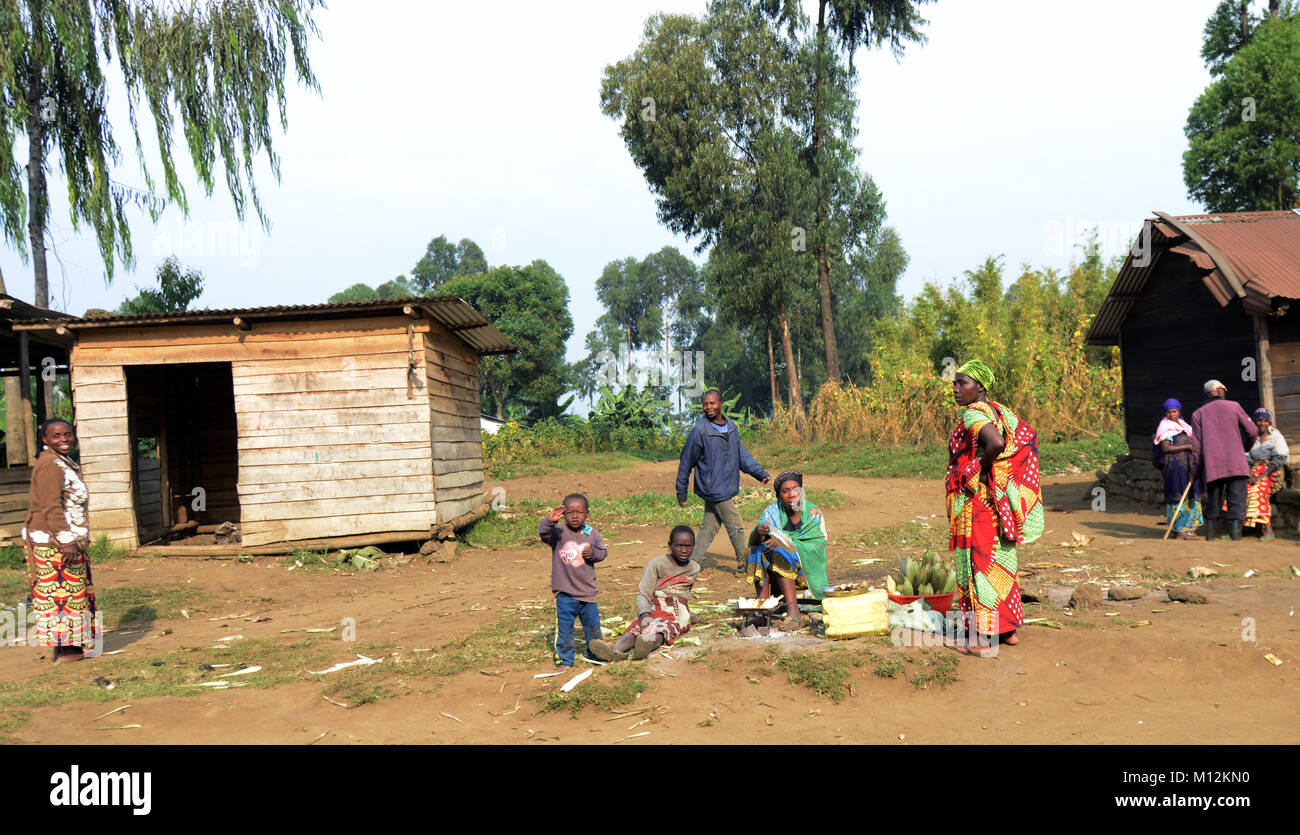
1207 297
30 365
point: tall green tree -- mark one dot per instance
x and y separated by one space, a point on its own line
443 260
1244 131
398 288
218 68
709 113
633 301
530 305
843 26
177 289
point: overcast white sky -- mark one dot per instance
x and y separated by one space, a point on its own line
1017 126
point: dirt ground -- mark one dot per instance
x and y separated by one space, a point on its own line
1187 677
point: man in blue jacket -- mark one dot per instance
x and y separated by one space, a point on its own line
714 451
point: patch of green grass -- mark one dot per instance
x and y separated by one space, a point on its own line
13 586
101 551
12 558
929 461
826 673
890 667
517 527
941 673
907 535
609 687
509 642
125 604
579 462
317 562
177 673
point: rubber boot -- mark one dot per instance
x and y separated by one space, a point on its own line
606 653
1209 530
1234 532
643 649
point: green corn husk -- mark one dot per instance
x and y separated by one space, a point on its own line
926 589
950 584
905 588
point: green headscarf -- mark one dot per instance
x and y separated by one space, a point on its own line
979 372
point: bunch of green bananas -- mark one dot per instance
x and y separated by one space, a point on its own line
928 576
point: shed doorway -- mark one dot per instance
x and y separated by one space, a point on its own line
184 447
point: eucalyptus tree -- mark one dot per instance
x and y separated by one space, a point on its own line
219 70
709 109
843 26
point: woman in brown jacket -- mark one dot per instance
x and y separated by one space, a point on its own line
56 535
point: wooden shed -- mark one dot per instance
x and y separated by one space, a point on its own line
294 423
1202 297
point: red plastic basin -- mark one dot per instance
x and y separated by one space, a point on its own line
941 603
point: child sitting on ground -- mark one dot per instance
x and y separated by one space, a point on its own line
576 547
661 602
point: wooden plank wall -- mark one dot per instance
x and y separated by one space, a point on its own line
330 441
454 424
15 488
99 392
1284 350
1174 339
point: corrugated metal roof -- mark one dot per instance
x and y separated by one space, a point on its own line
14 309
453 313
1254 256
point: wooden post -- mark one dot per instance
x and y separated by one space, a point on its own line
25 386
1265 365
15 436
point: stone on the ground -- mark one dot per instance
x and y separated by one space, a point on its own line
1186 594
1126 593
1085 597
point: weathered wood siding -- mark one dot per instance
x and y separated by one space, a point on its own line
15 488
1284 350
99 392
331 439
451 372
1174 339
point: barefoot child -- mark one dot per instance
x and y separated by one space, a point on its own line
576 547
661 602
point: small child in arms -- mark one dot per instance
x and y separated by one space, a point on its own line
661 602
576 547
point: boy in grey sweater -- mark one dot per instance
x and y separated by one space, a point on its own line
576 547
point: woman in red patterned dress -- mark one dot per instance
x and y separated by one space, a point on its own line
994 504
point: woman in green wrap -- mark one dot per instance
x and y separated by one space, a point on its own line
804 566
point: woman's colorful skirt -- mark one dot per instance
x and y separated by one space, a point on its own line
779 561
1259 508
63 597
1188 519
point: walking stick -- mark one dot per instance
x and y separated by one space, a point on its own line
1178 509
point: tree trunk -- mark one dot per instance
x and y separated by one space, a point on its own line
823 269
791 377
771 371
1245 21
501 406
36 199
1273 8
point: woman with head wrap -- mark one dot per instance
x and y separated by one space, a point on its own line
802 566
1175 455
994 504
1266 458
